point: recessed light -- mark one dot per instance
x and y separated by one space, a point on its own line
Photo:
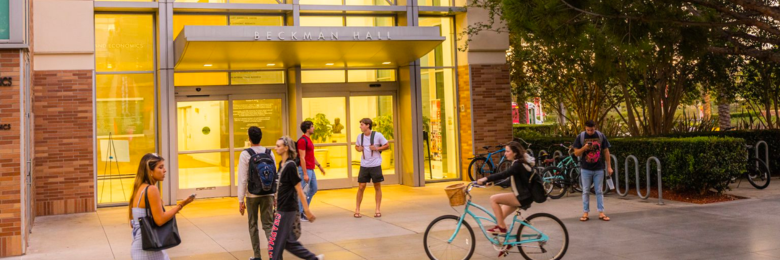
386 62
206 65
271 64
328 64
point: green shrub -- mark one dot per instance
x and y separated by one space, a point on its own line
771 137
687 164
543 130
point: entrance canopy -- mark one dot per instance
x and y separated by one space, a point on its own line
266 47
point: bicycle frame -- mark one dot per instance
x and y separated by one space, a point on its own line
489 159
492 219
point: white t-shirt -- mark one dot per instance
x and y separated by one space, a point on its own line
243 172
369 159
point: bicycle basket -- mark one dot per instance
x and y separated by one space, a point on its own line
457 194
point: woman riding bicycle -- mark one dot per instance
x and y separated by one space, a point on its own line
503 204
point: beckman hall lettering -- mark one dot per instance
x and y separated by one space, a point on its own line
331 36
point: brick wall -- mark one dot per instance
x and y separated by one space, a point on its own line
10 158
492 106
64 178
464 98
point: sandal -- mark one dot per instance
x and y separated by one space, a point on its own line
604 217
583 218
357 215
377 215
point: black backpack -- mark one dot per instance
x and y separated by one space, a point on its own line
536 188
373 133
262 173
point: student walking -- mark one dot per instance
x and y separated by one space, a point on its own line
371 144
593 147
283 236
307 163
257 182
151 170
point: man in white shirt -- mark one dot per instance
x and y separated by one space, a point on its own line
371 144
261 205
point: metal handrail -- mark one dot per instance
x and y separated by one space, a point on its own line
660 186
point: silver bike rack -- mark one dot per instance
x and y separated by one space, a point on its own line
660 186
628 174
539 156
766 152
557 153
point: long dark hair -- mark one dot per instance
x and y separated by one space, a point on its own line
518 149
144 175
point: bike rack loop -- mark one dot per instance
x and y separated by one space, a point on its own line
558 153
660 186
766 152
605 187
628 174
538 160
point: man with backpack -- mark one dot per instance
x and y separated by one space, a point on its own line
257 181
306 165
371 144
593 148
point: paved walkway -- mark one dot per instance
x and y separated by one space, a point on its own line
213 228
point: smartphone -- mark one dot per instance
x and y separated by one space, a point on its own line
193 195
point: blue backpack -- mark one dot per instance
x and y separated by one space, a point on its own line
262 173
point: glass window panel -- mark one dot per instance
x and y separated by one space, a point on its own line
370 21
441 56
325 113
5 20
124 42
435 2
263 113
202 1
378 108
200 79
368 2
256 77
125 119
257 1
334 160
320 2
125 0
323 76
181 20
322 20
439 120
371 75
258 20
204 170
388 161
202 125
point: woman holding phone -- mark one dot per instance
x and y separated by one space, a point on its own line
150 171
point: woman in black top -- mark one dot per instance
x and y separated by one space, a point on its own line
520 172
288 195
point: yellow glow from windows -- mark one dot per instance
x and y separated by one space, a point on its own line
200 79
367 2
370 75
201 1
443 54
180 20
370 21
322 21
124 42
323 76
257 20
435 2
256 77
438 105
257 1
320 2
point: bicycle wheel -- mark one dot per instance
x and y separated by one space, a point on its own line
557 237
479 168
574 179
554 182
758 173
440 231
503 166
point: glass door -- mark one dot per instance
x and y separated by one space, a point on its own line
380 109
330 138
212 133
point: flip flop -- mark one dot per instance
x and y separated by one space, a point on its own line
604 218
357 215
378 215
583 219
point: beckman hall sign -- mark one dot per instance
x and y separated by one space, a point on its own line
252 47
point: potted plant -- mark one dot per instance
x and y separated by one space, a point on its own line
322 128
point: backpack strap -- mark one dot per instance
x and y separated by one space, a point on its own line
267 151
582 138
373 133
250 151
601 139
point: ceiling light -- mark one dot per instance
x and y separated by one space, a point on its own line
386 62
328 64
206 65
271 64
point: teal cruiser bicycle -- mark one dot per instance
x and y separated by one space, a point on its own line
540 236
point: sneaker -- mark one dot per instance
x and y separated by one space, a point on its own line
320 257
304 219
497 231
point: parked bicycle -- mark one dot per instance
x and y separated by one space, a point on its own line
757 171
482 165
540 236
562 177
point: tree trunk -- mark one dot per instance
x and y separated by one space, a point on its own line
521 108
724 113
707 110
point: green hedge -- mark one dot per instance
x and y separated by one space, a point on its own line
771 137
534 130
687 164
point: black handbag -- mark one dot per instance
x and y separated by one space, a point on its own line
154 237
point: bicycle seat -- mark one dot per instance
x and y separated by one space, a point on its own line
499 146
548 161
486 147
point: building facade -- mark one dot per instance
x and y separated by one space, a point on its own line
95 85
